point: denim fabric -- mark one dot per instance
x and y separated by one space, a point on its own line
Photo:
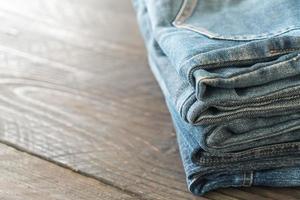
231 85
281 171
231 76
253 167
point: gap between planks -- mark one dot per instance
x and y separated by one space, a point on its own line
104 181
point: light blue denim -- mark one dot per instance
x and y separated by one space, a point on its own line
232 74
231 85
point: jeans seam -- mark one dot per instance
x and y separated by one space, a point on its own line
276 133
276 146
235 76
212 35
273 52
240 156
269 97
214 118
186 10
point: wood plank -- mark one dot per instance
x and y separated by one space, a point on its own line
76 89
23 176
242 194
275 193
80 106
103 19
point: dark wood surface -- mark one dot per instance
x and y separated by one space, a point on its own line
26 177
76 90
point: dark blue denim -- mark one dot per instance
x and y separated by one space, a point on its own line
232 87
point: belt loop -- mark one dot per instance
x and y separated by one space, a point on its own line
248 179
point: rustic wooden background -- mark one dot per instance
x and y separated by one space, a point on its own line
81 114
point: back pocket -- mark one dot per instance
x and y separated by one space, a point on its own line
239 19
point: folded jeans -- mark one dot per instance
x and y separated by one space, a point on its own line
233 97
228 78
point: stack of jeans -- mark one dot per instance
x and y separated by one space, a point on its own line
230 74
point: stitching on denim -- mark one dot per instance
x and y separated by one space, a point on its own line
286 148
213 35
266 100
188 7
233 159
274 52
263 150
184 12
190 96
266 136
259 166
283 50
275 146
175 23
276 65
238 75
282 94
229 62
265 165
210 129
244 112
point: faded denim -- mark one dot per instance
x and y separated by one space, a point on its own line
231 76
231 85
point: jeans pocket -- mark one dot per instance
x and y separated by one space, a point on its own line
241 20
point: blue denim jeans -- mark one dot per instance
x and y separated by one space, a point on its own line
231 85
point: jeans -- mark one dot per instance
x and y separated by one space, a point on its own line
231 85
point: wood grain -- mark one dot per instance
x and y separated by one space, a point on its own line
26 177
76 89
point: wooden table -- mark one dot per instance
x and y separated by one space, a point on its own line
81 114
